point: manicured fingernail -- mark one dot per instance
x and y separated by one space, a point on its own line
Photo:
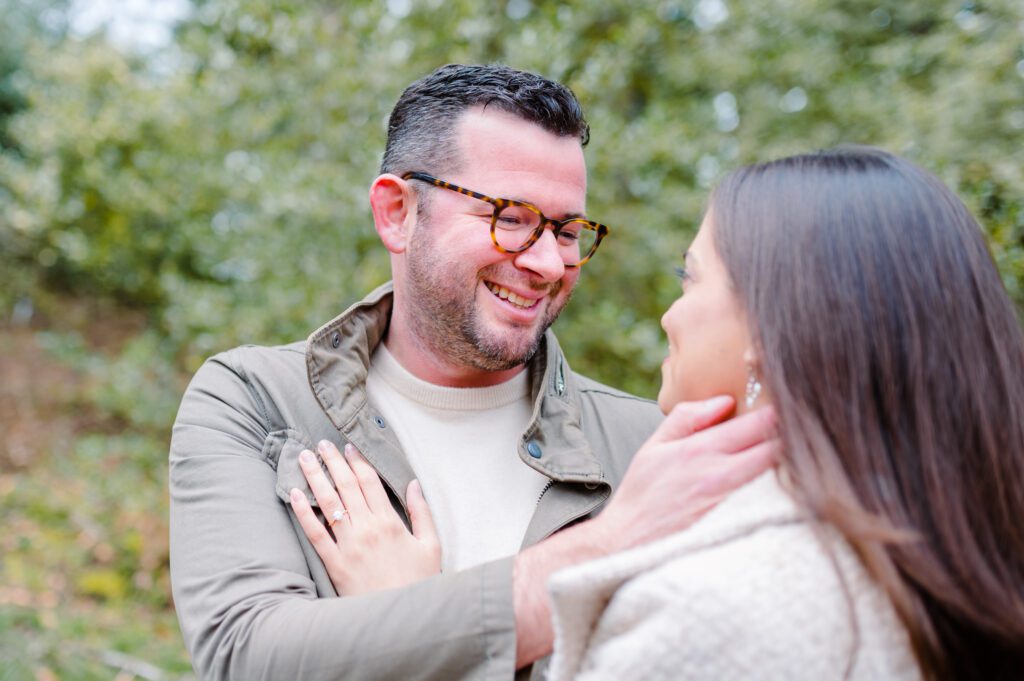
350 451
306 456
323 447
715 404
296 495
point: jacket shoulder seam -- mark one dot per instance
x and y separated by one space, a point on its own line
615 393
239 368
274 348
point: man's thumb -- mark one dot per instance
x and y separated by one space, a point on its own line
686 418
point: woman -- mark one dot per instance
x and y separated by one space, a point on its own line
853 292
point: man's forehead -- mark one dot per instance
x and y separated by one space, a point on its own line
500 147
492 127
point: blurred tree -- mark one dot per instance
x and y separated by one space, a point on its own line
217 186
11 101
20 21
221 184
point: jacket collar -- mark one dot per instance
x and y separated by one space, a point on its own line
338 360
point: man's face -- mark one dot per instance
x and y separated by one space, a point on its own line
469 304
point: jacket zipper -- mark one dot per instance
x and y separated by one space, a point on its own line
548 486
567 521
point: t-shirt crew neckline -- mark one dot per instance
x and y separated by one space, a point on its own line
447 398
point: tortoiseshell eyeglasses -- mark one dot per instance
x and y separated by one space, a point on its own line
516 225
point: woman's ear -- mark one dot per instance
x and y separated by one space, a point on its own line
752 360
394 211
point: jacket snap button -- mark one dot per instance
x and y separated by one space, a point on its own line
379 421
534 449
335 339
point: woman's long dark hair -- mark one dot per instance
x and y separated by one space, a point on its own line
895 360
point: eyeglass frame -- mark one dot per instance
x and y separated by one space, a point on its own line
501 204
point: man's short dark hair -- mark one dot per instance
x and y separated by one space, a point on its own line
420 128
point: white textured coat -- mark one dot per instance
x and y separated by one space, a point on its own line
748 592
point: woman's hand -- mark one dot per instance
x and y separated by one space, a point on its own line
370 550
694 460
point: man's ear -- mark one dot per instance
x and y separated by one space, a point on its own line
394 211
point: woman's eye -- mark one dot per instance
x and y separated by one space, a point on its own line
682 273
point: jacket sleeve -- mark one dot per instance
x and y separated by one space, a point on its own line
247 605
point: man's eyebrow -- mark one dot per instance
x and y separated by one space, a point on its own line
565 216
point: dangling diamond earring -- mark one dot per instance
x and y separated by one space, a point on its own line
753 386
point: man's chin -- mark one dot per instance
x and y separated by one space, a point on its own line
501 353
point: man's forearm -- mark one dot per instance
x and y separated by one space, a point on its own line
530 573
445 628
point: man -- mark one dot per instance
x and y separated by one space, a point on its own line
402 376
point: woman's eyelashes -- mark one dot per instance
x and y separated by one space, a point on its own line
682 273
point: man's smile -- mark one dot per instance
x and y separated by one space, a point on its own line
513 298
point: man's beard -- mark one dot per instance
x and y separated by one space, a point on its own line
447 321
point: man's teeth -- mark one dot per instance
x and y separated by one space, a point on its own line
516 300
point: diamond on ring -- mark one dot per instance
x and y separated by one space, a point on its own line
337 515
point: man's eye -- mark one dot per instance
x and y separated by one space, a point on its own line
511 221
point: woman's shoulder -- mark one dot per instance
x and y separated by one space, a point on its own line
753 588
757 536
738 523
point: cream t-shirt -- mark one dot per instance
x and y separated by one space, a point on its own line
462 445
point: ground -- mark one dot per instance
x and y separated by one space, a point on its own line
84 591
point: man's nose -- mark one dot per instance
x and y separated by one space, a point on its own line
543 258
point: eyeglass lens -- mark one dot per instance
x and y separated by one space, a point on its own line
514 226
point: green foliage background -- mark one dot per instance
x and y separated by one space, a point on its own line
216 190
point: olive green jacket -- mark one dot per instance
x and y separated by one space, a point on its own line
253 598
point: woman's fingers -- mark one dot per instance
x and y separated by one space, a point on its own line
687 418
374 550
359 489
702 424
745 466
737 434
372 489
311 525
349 489
323 491
419 515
